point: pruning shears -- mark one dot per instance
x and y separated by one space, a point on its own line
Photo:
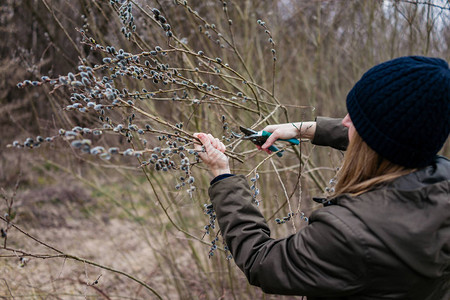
259 138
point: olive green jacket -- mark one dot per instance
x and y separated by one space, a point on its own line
389 243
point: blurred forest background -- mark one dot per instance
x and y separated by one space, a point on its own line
105 223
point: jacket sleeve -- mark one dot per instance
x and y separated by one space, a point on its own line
330 132
327 258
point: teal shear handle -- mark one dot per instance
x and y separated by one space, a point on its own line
273 148
260 137
292 141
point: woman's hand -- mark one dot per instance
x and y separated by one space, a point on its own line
288 131
213 156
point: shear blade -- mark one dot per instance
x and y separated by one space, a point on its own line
247 131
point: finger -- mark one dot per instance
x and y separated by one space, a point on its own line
270 140
196 135
213 141
221 147
265 150
196 143
199 147
207 143
204 138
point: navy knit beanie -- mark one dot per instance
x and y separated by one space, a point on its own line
401 109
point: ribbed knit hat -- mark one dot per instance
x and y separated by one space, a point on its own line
401 109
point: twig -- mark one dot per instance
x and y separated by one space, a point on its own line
285 192
9 290
62 28
73 257
425 3
262 162
167 213
191 137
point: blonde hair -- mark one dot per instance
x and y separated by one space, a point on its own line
363 169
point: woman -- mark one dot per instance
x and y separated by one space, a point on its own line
386 232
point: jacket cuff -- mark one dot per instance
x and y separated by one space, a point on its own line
220 177
330 132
